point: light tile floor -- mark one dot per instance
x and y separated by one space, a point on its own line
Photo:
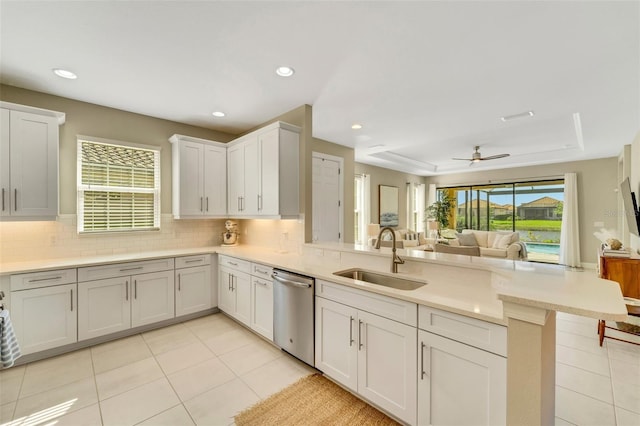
206 370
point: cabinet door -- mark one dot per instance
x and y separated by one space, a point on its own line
262 306
226 296
251 177
34 165
152 298
215 180
193 289
235 173
44 318
387 364
241 283
459 384
5 141
191 179
627 273
336 342
104 307
269 173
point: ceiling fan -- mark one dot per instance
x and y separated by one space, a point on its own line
476 157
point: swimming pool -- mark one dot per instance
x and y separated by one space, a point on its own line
543 248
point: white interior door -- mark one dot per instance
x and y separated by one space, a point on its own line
327 198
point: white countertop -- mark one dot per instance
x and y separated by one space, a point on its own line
472 286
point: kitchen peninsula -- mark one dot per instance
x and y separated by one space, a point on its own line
522 296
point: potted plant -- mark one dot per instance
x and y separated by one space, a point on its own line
440 211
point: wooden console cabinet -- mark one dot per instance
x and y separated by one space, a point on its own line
625 271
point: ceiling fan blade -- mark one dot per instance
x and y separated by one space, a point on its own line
463 159
494 157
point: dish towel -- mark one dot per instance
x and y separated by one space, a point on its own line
9 348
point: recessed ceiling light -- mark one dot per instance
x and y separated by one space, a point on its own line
64 73
285 71
516 116
356 126
218 114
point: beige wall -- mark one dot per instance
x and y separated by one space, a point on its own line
94 120
381 176
597 181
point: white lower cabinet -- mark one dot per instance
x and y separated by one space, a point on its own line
193 289
262 306
44 318
459 384
369 354
234 297
114 304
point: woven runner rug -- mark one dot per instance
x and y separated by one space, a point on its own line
313 400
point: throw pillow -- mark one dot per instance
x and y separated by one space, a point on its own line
502 241
467 239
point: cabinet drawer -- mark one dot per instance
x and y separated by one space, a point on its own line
42 279
91 273
474 332
388 307
262 271
191 261
233 263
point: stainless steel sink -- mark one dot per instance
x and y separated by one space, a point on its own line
380 279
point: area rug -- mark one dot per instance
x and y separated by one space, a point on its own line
313 400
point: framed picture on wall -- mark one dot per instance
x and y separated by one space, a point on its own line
388 205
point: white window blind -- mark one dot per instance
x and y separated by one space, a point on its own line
118 187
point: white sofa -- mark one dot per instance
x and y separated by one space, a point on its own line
417 241
500 244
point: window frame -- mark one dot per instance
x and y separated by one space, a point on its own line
81 188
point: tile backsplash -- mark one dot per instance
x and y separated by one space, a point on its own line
23 241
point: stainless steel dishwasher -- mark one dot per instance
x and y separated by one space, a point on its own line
293 314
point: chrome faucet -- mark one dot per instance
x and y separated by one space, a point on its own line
395 259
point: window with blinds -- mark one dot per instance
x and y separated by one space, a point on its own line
118 187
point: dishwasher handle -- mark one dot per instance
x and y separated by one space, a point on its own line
289 282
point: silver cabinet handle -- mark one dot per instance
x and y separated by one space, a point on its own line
239 208
360 344
233 283
15 197
200 203
259 202
263 283
242 203
207 203
126 290
45 279
232 263
229 282
71 300
2 199
132 269
135 289
194 260
422 373
179 289
351 331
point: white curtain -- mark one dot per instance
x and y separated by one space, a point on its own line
420 206
362 207
570 230
432 194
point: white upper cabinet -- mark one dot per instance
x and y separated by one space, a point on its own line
28 162
199 169
264 173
